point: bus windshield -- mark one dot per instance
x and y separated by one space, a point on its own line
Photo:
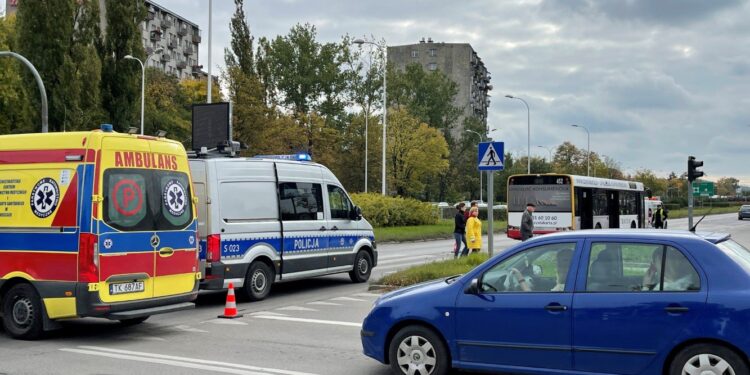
547 193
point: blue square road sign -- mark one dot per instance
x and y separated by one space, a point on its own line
491 156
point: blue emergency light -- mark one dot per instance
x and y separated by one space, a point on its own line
298 157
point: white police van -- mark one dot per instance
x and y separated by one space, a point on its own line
276 218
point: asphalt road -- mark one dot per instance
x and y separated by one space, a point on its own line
306 327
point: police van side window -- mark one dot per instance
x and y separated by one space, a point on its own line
301 201
340 205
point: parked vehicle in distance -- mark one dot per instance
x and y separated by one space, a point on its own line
585 302
276 218
744 212
94 224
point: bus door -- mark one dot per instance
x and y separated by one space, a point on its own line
613 209
585 199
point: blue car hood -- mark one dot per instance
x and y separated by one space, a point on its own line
416 289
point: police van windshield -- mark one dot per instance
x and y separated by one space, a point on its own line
146 200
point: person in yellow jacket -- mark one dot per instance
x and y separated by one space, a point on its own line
474 231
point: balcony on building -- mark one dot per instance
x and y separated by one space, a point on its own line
165 57
166 23
188 50
196 36
181 64
155 35
150 15
172 43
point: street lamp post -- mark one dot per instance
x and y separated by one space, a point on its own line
528 125
480 172
384 51
143 79
548 150
39 83
588 146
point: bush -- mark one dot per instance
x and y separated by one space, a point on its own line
434 270
385 211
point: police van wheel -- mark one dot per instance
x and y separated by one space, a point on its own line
133 322
22 312
362 267
258 281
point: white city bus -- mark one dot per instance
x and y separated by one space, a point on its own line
567 202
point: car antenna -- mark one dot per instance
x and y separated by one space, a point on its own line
699 221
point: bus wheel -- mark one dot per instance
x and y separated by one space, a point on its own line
632 225
362 267
598 226
133 322
22 312
258 281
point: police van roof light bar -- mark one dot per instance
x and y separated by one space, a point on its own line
296 157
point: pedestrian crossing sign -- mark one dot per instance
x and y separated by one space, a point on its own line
491 156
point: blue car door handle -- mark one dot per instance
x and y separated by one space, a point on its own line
555 307
323 229
334 228
676 309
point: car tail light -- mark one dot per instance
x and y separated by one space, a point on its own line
88 258
213 248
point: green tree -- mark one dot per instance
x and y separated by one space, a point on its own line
20 115
416 152
426 95
196 90
121 79
308 76
167 107
657 185
727 186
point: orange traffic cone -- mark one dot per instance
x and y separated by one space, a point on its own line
230 309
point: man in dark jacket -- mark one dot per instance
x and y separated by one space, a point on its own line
459 230
527 222
660 217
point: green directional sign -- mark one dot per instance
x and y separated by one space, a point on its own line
704 188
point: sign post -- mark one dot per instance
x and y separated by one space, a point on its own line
490 158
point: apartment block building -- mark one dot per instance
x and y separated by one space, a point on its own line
461 64
170 40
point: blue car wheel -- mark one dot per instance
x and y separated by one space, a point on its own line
707 359
416 350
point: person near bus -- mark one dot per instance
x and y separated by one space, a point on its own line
527 222
459 230
473 231
659 218
467 213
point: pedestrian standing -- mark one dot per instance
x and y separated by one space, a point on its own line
474 231
659 218
467 213
459 230
527 222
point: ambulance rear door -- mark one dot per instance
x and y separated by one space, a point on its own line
125 228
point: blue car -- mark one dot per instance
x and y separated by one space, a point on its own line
587 302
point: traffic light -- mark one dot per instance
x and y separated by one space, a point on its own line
693 172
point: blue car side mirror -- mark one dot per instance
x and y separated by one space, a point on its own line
473 287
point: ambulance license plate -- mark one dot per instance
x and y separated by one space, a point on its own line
122 288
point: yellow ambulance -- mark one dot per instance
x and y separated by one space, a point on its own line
94 224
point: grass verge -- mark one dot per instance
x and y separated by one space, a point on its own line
698 212
432 271
443 229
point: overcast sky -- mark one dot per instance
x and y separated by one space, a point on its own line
654 81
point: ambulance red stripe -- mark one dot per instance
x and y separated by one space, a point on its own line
126 264
175 264
41 156
59 266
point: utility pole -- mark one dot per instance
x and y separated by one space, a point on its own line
39 83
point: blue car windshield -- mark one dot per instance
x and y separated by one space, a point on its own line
739 253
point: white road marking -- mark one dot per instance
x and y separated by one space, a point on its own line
367 295
227 322
347 299
323 303
314 321
267 313
295 308
189 329
200 364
